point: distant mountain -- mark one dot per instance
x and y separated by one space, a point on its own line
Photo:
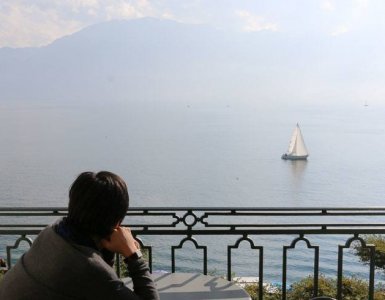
158 60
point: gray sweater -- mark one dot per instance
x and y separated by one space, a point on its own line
54 269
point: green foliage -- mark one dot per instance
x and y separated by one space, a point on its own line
364 254
303 289
379 292
352 289
122 266
253 290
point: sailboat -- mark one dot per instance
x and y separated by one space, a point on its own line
297 149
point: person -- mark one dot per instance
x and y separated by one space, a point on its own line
72 259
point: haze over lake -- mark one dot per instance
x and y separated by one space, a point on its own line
201 156
195 155
192 116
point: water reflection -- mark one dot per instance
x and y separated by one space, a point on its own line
298 168
296 180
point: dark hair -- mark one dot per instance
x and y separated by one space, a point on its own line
97 203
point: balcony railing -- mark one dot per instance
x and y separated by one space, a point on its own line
241 224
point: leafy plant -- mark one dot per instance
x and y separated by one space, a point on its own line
303 289
253 291
352 289
379 256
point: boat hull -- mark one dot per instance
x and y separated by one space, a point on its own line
294 157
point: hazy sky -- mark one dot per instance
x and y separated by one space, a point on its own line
39 22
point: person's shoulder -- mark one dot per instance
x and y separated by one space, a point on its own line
95 265
48 236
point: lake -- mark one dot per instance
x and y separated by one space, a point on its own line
198 154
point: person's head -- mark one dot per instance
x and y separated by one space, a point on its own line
97 203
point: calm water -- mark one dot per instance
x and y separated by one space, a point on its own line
199 155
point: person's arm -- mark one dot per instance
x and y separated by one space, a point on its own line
142 281
121 241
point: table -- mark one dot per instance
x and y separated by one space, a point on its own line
191 286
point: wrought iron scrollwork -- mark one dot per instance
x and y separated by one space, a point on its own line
316 264
190 219
15 246
252 246
180 246
222 221
340 264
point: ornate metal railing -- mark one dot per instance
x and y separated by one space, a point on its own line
240 223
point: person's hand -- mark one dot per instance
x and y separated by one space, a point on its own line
121 241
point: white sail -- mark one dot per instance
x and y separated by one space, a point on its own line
293 141
297 148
